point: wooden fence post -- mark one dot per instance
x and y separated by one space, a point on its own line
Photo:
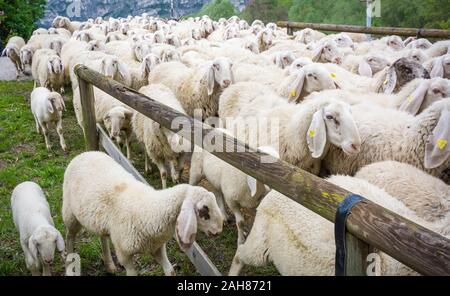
356 255
88 110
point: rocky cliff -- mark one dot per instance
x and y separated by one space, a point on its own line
84 9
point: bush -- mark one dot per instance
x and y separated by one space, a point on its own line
217 9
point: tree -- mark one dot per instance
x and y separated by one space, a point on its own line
218 9
266 10
19 17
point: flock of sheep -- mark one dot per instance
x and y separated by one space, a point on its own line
372 115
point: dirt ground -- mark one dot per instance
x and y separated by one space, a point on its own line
8 72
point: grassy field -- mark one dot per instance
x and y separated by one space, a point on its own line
23 157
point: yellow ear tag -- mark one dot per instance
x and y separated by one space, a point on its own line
385 82
333 75
293 93
312 133
410 99
441 143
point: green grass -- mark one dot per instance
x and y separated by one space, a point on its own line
23 157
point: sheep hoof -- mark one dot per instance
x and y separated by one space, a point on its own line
111 269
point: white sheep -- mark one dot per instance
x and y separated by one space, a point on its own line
12 51
26 55
159 141
33 220
107 200
197 88
304 133
389 134
232 185
308 35
428 196
300 242
47 108
55 42
47 70
139 71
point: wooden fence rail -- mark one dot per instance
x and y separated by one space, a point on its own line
368 223
425 33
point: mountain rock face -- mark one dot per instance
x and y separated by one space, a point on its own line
84 9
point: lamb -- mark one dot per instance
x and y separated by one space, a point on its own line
413 98
12 51
232 185
300 242
38 235
158 141
283 59
47 108
197 88
428 196
26 55
389 134
115 115
47 70
134 215
367 65
320 123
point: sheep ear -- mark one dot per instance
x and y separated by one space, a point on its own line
50 106
144 69
437 150
50 66
63 103
257 188
186 227
32 247
278 61
317 135
438 68
364 69
210 80
414 101
391 81
317 54
4 52
122 70
128 114
297 86
60 243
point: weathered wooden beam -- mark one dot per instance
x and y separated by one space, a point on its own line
88 113
424 33
356 259
196 255
413 245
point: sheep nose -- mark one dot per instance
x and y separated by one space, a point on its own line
356 147
338 60
226 82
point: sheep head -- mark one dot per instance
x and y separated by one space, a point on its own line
220 72
441 67
55 65
327 52
198 211
43 242
116 120
333 123
402 72
148 63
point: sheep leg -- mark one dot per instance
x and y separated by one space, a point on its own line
240 222
221 204
38 126
173 171
126 261
59 130
46 135
163 172
106 253
127 144
73 227
196 170
148 168
236 266
161 257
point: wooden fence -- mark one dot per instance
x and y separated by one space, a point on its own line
423 33
368 224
